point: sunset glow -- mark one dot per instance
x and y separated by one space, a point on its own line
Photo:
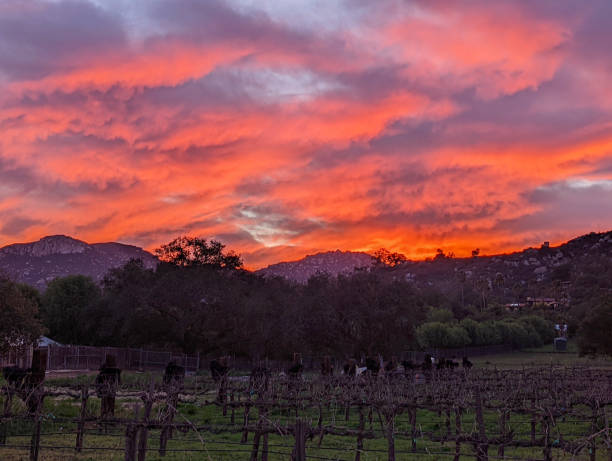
285 128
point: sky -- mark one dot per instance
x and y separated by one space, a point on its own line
285 128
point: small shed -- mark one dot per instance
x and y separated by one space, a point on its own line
560 344
44 341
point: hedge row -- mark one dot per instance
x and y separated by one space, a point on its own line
531 331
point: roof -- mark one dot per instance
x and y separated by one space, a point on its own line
44 341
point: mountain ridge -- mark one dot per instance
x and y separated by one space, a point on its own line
37 263
329 262
524 265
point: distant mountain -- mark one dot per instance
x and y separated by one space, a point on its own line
38 263
547 271
564 274
331 262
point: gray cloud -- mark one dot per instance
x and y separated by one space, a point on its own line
15 224
40 37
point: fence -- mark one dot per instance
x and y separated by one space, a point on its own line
536 414
90 358
470 351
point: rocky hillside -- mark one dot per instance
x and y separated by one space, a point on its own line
543 272
331 262
37 263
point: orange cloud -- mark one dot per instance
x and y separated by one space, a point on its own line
427 128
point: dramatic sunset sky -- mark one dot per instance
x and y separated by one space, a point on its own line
287 127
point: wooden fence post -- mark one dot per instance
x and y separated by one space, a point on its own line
533 419
8 400
264 448
299 449
502 432
144 430
390 420
457 433
255 450
547 451
360 434
413 415
82 415
593 443
245 432
482 447
131 430
35 441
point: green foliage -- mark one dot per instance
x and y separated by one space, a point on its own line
64 308
19 323
440 315
530 331
516 334
594 335
481 333
441 335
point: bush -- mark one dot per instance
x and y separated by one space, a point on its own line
515 333
594 333
543 327
440 315
481 333
442 335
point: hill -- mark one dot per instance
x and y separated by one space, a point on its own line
330 262
37 263
547 274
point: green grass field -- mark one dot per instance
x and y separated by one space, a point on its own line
541 357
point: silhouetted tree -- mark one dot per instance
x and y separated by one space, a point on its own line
194 251
388 258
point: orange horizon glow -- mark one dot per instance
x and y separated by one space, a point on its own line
284 130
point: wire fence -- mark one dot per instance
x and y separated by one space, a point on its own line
91 358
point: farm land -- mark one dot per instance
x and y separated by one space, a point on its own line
527 405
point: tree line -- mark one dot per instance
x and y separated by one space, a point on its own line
200 299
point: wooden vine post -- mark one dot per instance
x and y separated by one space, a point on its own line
6 412
35 441
482 446
300 432
173 381
82 416
360 434
264 448
593 441
131 432
144 429
257 436
458 412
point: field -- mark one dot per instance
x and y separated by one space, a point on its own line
542 357
504 408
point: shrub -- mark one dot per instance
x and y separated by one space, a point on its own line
442 335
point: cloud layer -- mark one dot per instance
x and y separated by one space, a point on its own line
286 128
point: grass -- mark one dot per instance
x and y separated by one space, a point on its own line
541 357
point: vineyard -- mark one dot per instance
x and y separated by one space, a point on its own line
536 414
